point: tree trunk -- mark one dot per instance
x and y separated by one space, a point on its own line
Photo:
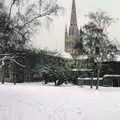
46 81
2 76
14 78
98 77
91 86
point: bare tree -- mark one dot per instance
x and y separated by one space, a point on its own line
102 21
17 21
96 39
28 16
21 17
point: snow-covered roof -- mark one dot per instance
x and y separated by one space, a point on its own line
82 57
66 55
111 75
116 58
81 70
79 78
56 53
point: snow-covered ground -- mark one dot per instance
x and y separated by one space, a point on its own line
32 101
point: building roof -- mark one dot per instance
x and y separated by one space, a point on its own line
82 57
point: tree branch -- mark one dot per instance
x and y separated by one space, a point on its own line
18 63
11 8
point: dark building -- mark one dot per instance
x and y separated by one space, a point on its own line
109 75
111 72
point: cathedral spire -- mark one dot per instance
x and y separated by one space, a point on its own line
66 33
73 29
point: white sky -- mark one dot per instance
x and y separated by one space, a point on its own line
54 37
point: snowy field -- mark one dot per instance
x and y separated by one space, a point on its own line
31 101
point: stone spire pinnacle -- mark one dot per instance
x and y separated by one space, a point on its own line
66 30
73 29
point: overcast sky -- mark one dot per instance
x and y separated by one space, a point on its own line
53 38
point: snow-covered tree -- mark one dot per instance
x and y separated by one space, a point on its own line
95 39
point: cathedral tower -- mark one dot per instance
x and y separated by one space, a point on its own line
73 29
73 32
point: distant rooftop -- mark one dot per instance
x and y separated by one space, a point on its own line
116 57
